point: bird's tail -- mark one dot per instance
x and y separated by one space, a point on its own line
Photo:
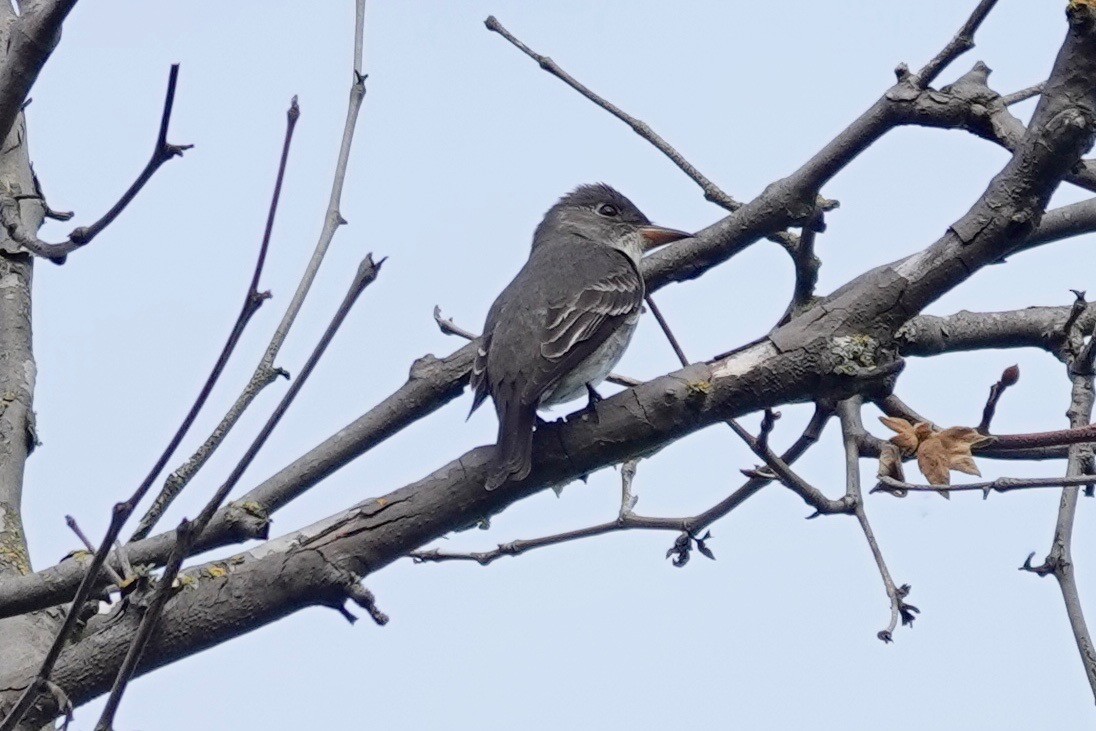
513 456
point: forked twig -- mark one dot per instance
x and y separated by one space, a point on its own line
83 235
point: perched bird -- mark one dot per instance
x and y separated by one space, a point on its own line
561 325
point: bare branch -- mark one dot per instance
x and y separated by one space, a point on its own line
90 577
173 486
1059 560
957 46
266 372
83 235
849 413
188 531
1022 95
999 484
712 192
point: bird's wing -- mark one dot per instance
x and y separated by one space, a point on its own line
604 294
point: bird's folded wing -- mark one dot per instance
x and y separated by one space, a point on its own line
580 321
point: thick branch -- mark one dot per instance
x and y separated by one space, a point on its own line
31 40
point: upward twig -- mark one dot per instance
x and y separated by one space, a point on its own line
266 372
82 235
962 42
188 531
171 488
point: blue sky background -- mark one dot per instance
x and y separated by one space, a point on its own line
462 145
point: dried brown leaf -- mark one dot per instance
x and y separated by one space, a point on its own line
906 438
932 460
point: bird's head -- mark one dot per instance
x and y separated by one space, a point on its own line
603 216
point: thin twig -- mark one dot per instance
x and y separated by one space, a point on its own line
122 511
849 413
688 526
1059 560
957 46
712 192
75 528
172 487
1022 95
266 372
1000 484
666 330
83 235
189 531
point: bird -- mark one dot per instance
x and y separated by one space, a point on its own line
558 328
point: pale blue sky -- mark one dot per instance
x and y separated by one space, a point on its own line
462 145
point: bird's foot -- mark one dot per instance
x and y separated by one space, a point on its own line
590 409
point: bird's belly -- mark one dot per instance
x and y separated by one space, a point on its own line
593 369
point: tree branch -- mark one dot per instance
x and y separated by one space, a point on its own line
266 372
188 531
712 192
30 42
172 487
83 235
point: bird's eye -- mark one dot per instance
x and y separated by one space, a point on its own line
608 210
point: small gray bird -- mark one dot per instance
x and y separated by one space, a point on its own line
561 325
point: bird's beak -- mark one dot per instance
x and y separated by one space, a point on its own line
655 236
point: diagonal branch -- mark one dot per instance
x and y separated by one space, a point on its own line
188 531
712 192
957 46
849 413
1059 560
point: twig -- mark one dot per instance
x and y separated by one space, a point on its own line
689 527
849 413
83 235
448 327
189 531
1000 484
712 192
75 528
793 481
1022 95
123 510
957 46
1059 560
1009 377
172 486
265 372
666 330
